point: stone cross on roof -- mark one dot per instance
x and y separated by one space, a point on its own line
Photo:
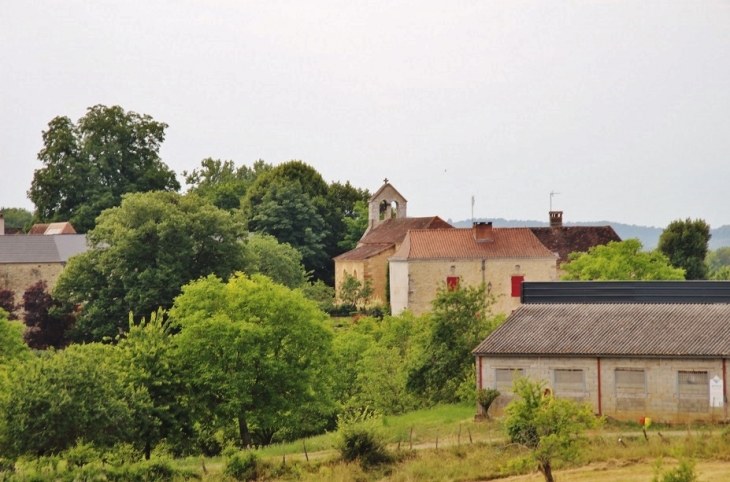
385 181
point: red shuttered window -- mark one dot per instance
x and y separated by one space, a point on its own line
452 283
517 286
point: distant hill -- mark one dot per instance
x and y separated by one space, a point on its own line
648 235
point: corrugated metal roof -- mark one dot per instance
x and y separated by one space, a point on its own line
395 230
57 248
457 243
694 291
613 330
364 252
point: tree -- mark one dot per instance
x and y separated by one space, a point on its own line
620 260
353 293
355 224
460 319
16 217
255 353
50 402
287 213
718 258
685 244
12 347
550 428
7 303
278 261
46 325
141 254
222 183
89 165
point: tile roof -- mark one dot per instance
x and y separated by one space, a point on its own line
460 243
633 329
569 239
364 252
56 248
395 230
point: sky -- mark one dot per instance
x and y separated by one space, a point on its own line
621 107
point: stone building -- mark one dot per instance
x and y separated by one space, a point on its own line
27 259
387 227
629 349
501 258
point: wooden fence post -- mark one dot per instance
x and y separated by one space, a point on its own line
437 439
470 440
306 455
283 451
458 437
410 438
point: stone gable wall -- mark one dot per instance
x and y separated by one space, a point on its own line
21 276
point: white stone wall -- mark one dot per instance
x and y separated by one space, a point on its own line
661 402
398 286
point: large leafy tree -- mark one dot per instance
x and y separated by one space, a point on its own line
45 321
141 254
620 260
16 217
460 319
685 244
257 354
278 261
222 183
89 165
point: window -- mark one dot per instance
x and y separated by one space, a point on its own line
693 385
452 283
517 286
504 377
569 382
630 383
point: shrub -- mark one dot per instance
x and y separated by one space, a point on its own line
684 473
362 442
485 398
242 467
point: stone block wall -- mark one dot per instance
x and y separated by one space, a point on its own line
21 276
661 400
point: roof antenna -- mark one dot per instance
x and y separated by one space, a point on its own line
552 193
472 209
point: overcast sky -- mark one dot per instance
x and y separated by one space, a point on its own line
623 107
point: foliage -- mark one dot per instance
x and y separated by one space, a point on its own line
7 303
89 165
718 258
46 325
147 350
485 398
279 261
81 392
321 294
362 441
550 428
141 254
685 244
356 224
256 353
16 217
222 183
461 318
720 274
12 347
242 467
620 260
353 293
684 473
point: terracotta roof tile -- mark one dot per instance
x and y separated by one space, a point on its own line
364 252
460 243
629 329
570 239
395 230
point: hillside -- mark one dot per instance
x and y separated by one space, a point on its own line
648 235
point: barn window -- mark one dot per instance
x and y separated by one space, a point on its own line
693 385
630 383
568 381
452 283
517 286
505 377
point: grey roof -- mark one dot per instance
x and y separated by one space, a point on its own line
55 248
631 329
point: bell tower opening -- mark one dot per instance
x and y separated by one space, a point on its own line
387 203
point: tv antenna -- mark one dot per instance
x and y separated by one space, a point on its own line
552 193
472 209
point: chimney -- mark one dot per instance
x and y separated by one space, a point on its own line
482 232
556 219
2 224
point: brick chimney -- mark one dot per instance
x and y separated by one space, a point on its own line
556 219
482 232
2 224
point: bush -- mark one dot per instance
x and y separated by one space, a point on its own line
242 467
362 442
684 473
147 471
485 398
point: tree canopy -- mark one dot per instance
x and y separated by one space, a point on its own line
89 165
222 183
141 254
685 244
16 217
620 260
257 354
